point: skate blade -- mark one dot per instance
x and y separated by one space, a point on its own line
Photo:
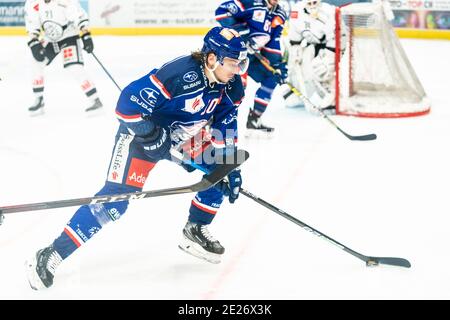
258 134
197 251
36 113
94 112
33 278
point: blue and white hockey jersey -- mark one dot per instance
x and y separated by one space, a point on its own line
179 96
253 19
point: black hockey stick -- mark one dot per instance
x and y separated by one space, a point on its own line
267 65
207 182
366 137
369 260
106 71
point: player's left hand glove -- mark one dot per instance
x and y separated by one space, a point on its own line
233 187
88 44
156 144
252 46
281 72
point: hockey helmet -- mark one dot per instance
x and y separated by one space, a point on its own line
226 43
312 6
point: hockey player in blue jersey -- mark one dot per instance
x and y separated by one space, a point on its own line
164 108
260 23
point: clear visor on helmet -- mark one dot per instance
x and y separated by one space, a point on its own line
236 66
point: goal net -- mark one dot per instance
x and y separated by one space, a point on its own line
374 77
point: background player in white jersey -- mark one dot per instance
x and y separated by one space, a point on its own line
311 53
54 26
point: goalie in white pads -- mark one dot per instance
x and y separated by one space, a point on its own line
61 22
311 54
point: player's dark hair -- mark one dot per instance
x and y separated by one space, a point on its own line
198 56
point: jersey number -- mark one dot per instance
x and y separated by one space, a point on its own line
211 106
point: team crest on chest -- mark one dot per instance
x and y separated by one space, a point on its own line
194 105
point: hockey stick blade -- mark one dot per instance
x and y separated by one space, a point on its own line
399 262
366 137
207 182
370 261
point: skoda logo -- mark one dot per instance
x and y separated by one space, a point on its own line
191 76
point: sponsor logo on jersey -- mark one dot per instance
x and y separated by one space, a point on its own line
114 214
191 76
81 234
232 8
136 100
191 85
149 95
119 158
93 231
259 15
138 172
194 105
182 131
53 30
229 119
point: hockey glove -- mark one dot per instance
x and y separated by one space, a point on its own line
311 38
37 49
232 188
156 144
252 46
88 44
281 72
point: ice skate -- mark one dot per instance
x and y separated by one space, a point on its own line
41 268
198 242
38 107
95 108
256 129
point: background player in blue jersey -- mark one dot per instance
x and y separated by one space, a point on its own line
260 23
164 108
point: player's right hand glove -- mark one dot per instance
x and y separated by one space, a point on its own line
233 187
156 144
88 44
37 49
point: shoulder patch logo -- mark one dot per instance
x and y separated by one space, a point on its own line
191 76
259 15
232 8
149 95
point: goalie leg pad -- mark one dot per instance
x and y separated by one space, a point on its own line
323 65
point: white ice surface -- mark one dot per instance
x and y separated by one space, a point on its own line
388 197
